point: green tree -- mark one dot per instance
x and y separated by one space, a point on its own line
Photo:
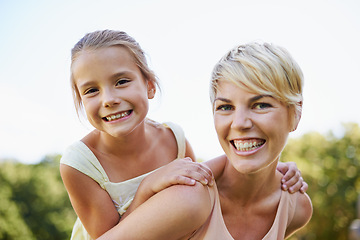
330 165
34 202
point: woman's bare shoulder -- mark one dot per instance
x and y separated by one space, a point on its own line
217 165
302 215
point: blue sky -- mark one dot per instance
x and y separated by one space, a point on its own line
183 39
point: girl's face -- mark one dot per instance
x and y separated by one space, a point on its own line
113 90
252 128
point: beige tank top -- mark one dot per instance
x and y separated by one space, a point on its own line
215 228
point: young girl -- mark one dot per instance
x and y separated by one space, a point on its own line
112 83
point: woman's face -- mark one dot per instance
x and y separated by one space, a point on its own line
252 128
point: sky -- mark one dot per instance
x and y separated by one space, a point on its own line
183 41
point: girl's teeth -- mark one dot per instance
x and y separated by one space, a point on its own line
117 116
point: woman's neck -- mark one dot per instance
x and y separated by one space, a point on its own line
248 188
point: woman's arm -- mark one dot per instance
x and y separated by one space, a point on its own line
91 203
174 213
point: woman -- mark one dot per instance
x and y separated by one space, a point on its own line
256 93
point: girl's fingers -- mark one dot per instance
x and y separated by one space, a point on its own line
182 180
304 187
296 187
290 171
197 171
294 183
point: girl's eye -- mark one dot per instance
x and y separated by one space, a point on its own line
122 81
224 108
90 90
262 105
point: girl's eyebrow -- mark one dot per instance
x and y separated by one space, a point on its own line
120 74
86 84
222 99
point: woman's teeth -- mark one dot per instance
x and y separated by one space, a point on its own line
248 145
117 116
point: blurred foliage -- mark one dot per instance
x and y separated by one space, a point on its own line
34 203
331 167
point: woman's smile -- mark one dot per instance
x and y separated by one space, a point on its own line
247 145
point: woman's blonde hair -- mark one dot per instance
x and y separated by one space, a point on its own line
261 68
109 38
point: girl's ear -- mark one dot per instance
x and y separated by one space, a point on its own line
297 110
151 89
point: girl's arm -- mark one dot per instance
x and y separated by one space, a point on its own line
91 203
94 206
302 216
174 213
180 171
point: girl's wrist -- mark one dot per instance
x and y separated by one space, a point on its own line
145 190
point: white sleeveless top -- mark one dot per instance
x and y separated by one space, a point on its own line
80 157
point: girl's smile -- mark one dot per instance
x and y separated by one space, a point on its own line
117 116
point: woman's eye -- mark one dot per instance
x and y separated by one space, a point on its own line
224 107
122 81
261 105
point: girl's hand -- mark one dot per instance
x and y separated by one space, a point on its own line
180 171
292 180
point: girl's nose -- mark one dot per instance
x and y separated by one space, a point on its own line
110 98
242 120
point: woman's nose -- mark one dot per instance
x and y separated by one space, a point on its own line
242 120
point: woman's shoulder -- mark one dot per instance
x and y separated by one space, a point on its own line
304 207
303 212
217 165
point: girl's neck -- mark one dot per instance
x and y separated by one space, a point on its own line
120 146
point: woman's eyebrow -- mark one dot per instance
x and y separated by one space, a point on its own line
253 99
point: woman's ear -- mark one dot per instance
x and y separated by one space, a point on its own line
297 111
151 89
